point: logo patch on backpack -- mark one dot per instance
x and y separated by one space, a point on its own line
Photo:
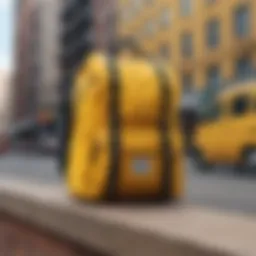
141 165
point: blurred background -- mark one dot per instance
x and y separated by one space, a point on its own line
210 44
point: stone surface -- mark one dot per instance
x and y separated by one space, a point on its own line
129 230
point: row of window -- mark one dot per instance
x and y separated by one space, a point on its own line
243 69
186 7
165 19
241 28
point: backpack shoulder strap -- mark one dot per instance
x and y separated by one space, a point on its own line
114 128
164 129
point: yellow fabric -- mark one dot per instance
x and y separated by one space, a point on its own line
89 153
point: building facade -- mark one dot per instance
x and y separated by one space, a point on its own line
23 88
77 32
104 23
5 101
37 68
48 46
207 41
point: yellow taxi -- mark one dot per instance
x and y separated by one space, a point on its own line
226 133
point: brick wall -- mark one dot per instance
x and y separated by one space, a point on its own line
20 239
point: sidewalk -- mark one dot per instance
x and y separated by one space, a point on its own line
180 230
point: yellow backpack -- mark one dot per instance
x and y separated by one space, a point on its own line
126 140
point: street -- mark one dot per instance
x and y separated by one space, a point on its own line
220 190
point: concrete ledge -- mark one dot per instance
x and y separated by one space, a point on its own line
130 230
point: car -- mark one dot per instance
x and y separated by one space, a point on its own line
226 132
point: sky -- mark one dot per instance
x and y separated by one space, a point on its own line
6 34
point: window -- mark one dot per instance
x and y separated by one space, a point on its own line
240 105
166 17
186 7
187 82
213 76
209 2
150 28
243 68
165 51
127 15
149 1
242 21
213 33
187 45
137 5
